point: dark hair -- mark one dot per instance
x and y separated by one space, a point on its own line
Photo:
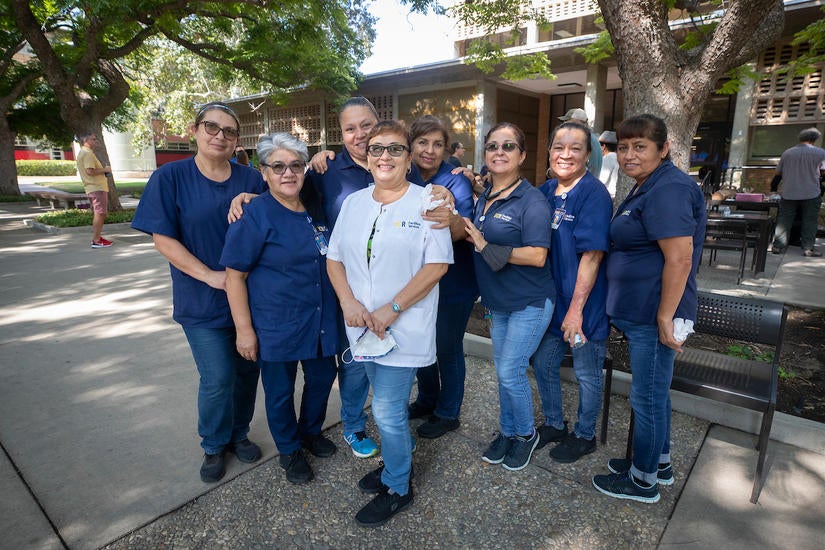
454 146
644 126
390 127
426 124
610 146
81 139
357 101
520 139
809 135
217 105
573 125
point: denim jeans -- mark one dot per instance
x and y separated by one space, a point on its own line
785 217
516 335
227 389
587 364
391 388
278 379
441 385
651 363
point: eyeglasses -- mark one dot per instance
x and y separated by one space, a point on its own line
507 146
212 129
395 150
279 168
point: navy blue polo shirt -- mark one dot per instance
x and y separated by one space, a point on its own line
668 204
520 219
459 283
181 203
292 302
342 178
585 226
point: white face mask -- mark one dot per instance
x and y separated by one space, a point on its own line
368 346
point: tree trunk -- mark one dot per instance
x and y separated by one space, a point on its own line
8 170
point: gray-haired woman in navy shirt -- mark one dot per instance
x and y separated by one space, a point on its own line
511 233
657 234
283 303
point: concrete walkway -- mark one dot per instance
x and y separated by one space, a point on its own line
99 446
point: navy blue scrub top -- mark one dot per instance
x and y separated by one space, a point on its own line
585 226
459 283
668 204
342 178
181 203
520 219
291 299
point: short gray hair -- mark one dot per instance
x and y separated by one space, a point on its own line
270 143
809 135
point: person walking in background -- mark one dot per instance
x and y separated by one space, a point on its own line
95 184
510 230
581 220
184 208
385 261
657 235
609 175
441 385
594 164
800 170
282 302
457 151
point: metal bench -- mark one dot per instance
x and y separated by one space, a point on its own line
63 198
746 383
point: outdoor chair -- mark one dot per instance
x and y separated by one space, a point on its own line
727 234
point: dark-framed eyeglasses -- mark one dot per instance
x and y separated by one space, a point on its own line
507 146
395 149
297 167
212 129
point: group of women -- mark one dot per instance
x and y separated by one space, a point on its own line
381 251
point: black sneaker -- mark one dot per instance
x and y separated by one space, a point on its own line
371 483
621 466
435 427
497 450
622 486
382 508
549 434
213 468
319 445
572 449
519 454
297 468
245 450
416 410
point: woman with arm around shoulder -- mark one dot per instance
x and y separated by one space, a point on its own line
385 262
657 234
184 209
511 233
282 302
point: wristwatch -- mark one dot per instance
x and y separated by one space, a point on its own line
395 307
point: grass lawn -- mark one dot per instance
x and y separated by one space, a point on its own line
124 187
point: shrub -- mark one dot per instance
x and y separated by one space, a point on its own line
76 217
46 167
16 198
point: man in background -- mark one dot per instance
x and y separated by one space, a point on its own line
456 154
96 186
609 175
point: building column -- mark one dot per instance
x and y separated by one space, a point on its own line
594 91
486 99
543 138
740 130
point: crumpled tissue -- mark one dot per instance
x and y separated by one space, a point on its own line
682 328
427 201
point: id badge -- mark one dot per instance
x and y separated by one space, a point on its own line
558 216
321 243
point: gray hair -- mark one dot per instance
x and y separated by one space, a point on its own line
809 135
270 143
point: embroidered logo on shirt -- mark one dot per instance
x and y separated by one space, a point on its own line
411 224
502 217
626 213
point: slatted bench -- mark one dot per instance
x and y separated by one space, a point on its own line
746 383
62 198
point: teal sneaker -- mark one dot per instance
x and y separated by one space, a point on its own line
361 445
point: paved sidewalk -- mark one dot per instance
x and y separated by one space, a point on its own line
97 428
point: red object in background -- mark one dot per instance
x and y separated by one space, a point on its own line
749 197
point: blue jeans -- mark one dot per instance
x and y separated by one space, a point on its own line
353 386
227 389
391 388
651 364
587 364
516 335
278 378
441 385
809 211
